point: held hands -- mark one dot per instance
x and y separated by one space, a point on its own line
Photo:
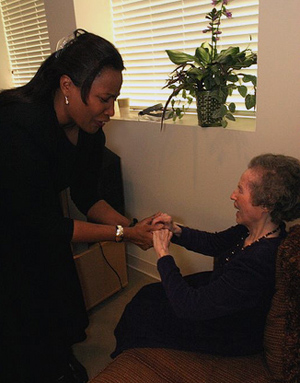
162 237
167 222
161 242
141 233
158 227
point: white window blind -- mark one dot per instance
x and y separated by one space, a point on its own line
26 35
144 29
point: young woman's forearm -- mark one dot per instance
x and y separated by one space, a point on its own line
102 212
92 232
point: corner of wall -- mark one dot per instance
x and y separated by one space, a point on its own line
60 19
95 18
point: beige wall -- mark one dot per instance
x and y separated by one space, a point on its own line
5 74
94 16
190 171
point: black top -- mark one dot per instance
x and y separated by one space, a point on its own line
42 300
235 302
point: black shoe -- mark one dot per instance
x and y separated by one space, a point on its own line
73 373
78 370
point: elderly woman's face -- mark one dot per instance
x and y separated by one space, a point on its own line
104 91
247 214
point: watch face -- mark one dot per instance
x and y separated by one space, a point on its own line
119 233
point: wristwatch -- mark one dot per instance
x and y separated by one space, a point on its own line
119 233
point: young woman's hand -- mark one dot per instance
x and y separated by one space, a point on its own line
141 233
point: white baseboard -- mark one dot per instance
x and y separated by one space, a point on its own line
143 266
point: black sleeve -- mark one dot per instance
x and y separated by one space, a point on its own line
207 243
84 188
249 278
29 199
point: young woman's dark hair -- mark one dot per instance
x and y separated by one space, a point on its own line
82 58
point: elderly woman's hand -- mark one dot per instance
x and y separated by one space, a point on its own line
168 223
161 242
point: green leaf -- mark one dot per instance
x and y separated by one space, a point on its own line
230 117
202 56
178 57
178 112
217 80
208 47
228 55
250 101
231 51
250 78
222 95
230 88
233 78
196 73
242 90
231 107
224 110
221 112
214 68
224 123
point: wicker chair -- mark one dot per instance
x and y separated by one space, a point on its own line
280 362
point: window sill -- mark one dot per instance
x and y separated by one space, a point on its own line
242 123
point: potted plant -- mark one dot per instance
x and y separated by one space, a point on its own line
210 76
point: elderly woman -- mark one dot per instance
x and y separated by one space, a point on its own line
224 311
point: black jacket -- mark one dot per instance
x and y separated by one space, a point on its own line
41 299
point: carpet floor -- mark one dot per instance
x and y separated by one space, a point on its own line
94 352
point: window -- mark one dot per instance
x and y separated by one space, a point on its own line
26 35
144 29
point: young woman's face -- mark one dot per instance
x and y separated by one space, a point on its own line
91 116
247 214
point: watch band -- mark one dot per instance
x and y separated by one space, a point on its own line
133 222
119 233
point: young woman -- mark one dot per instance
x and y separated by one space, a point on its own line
51 138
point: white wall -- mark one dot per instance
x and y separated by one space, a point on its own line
190 171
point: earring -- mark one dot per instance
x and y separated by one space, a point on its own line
66 100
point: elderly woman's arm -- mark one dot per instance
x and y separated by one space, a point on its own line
200 241
247 282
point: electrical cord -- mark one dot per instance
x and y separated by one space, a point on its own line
110 266
133 223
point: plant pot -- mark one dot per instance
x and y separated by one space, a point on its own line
206 106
